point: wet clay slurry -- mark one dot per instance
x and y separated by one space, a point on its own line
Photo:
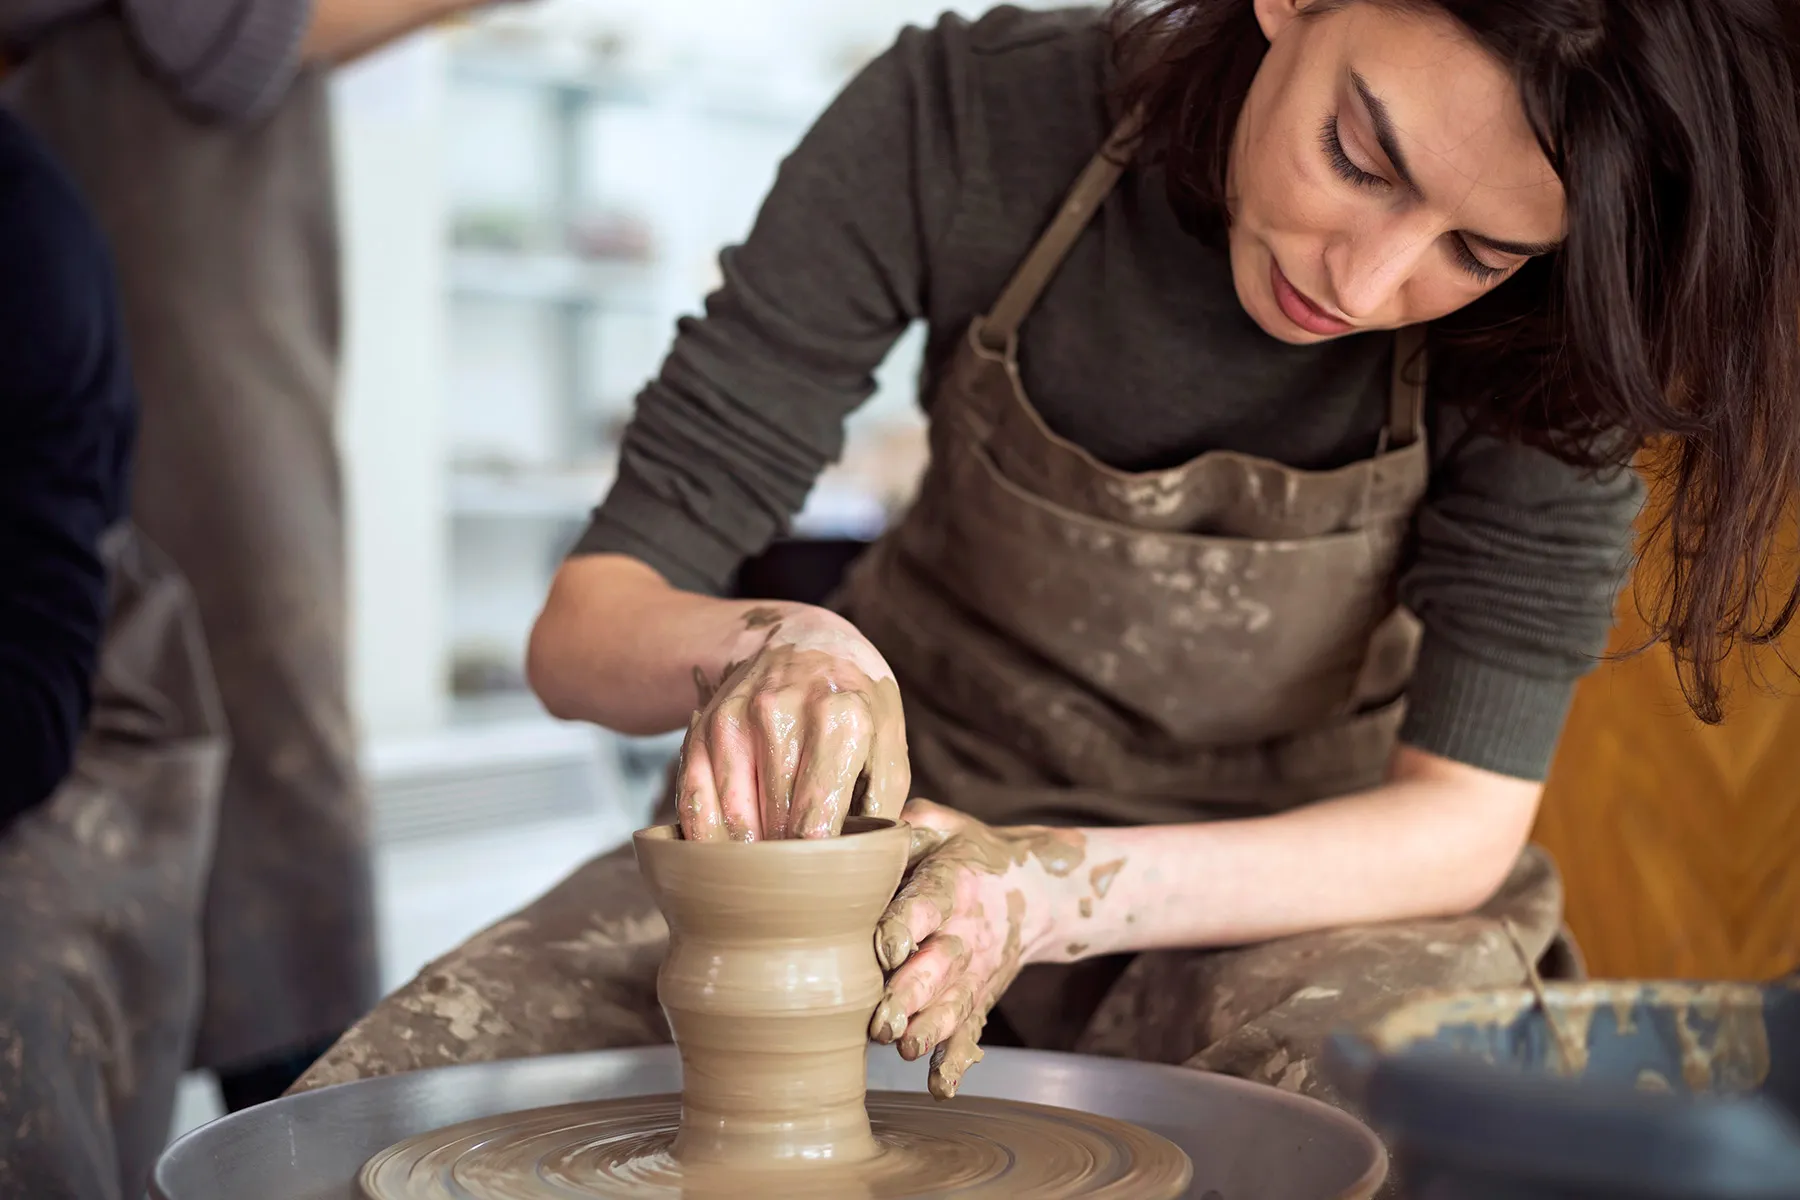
769 985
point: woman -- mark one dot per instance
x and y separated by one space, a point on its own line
1275 635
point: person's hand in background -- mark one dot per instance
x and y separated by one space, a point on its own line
342 31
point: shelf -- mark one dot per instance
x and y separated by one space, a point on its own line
551 279
528 495
527 69
725 97
834 510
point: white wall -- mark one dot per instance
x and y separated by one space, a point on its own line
390 132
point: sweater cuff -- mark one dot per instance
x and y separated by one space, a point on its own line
234 66
1471 711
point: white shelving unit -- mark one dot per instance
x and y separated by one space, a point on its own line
491 362
546 345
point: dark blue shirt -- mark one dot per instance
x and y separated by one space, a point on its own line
67 420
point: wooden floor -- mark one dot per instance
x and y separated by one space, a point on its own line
1680 843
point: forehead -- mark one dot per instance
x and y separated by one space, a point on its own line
1455 109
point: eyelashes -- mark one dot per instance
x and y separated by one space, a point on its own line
1465 258
1333 145
1349 172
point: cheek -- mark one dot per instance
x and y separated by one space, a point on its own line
1438 290
1286 189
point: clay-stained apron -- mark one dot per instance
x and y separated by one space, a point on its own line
1081 645
101 889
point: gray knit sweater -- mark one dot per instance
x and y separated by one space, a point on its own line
914 197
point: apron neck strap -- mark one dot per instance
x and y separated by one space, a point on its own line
1406 395
1090 191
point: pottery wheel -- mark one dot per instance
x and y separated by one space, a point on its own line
619 1148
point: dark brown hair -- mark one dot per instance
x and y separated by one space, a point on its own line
1671 313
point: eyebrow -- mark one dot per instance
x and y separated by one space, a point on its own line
1384 129
1389 141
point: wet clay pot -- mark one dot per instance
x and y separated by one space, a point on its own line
769 984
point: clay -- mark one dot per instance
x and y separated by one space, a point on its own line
769 985
969 1149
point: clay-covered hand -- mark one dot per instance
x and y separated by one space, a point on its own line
976 906
793 737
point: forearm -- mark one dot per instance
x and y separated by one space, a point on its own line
618 646
343 30
1436 840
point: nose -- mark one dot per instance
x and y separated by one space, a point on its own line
1370 267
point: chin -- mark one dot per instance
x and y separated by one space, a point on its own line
1250 278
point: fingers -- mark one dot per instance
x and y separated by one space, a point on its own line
836 748
697 800
925 901
889 771
777 731
733 754
917 984
954 1056
935 1025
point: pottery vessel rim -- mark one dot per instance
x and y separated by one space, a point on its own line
857 831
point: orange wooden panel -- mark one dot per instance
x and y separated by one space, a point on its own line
1680 842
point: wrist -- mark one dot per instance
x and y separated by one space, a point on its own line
1093 909
744 627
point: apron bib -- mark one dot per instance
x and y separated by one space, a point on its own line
1077 644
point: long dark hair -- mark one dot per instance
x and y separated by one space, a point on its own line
1672 314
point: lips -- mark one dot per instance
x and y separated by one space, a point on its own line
1301 311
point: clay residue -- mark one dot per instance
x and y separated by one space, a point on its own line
1625 1014
979 1149
1724 1045
1721 1037
1103 875
1060 851
1087 906
1076 949
962 1049
762 617
789 743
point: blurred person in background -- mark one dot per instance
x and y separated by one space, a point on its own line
112 742
197 133
1287 361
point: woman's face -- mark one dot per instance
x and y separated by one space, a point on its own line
1382 173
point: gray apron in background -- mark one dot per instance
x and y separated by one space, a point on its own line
226 247
1077 644
101 889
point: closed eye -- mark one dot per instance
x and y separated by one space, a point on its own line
1335 154
1465 258
1339 159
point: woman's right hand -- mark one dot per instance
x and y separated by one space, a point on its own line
795 736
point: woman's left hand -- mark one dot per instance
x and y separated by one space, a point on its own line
979 902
